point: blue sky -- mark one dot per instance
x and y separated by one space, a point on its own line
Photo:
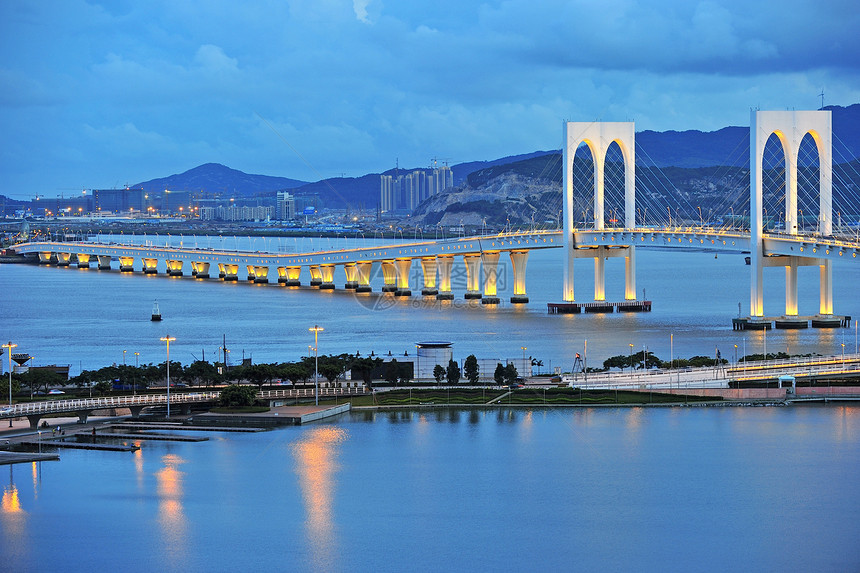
97 95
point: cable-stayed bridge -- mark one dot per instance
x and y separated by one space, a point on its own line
610 208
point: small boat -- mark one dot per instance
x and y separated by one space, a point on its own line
156 313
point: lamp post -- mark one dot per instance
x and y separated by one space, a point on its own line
631 358
123 357
168 339
316 330
523 348
9 346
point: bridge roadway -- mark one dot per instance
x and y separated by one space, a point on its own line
437 257
83 407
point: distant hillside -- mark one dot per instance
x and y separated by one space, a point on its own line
217 178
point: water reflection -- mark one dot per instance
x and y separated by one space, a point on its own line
13 519
316 463
171 516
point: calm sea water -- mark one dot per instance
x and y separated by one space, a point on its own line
682 489
86 318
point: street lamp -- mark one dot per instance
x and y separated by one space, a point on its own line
168 339
316 330
523 348
9 346
123 357
631 357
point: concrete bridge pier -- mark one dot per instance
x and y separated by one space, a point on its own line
518 263
83 415
364 270
222 272
293 276
630 273
351 271
404 267
444 265
45 258
231 273
261 274
428 270
327 275
825 296
473 276
126 264
201 270
252 274
135 411
600 275
389 276
316 275
63 259
174 268
150 266
282 275
83 261
490 263
34 421
104 262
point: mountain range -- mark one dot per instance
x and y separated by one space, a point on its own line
678 149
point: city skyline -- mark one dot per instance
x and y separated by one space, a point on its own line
311 91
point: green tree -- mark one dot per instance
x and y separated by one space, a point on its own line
471 369
200 372
259 374
237 396
438 373
452 373
103 387
4 384
38 379
499 374
364 367
511 373
392 372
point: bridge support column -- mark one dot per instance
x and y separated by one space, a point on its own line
135 411
825 296
327 274
600 274
83 415
490 264
222 272
34 420
231 273
45 258
473 276
126 264
261 274
404 267
83 261
389 276
316 275
252 274
428 271
202 270
518 263
444 265
364 270
104 262
174 267
293 274
791 287
150 266
351 271
63 259
630 274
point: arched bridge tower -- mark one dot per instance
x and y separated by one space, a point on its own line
599 136
790 127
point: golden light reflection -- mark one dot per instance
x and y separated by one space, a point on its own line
316 463
11 502
138 465
35 468
171 516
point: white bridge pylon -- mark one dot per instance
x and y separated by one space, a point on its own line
599 136
790 127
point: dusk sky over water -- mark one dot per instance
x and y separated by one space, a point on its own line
97 95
